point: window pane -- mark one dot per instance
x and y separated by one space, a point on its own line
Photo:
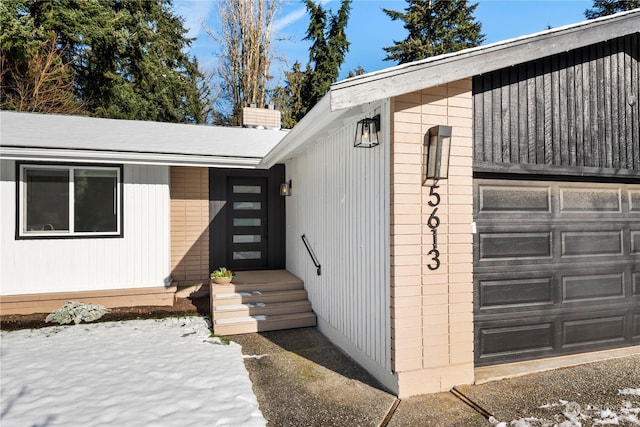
247 255
247 189
247 238
247 222
47 200
254 206
95 206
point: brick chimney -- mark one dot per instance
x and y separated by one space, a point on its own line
260 118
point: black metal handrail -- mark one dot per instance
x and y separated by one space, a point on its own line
311 254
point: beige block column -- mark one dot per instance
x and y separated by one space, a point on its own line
432 310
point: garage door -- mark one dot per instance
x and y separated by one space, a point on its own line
557 268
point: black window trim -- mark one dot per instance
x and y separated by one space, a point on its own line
19 206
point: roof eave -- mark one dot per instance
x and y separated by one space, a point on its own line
466 63
92 156
320 121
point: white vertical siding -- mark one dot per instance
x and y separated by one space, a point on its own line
139 259
340 201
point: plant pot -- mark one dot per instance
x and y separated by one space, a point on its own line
221 280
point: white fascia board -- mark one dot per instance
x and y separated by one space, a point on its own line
90 156
313 121
411 77
317 122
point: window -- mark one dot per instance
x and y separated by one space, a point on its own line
60 200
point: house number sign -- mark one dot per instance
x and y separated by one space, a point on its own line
433 222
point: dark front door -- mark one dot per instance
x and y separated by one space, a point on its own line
247 222
247 219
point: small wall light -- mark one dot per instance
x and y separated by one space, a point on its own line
285 188
367 131
437 147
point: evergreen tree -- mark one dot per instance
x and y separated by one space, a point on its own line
358 71
609 7
289 99
328 49
128 57
329 45
435 27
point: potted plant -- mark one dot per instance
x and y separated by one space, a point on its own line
222 276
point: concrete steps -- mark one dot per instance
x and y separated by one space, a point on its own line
259 301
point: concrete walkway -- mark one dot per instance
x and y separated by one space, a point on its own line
301 379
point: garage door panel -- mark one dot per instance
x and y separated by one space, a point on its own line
556 268
583 287
509 245
635 241
634 202
590 200
636 327
593 332
590 243
515 292
507 341
501 199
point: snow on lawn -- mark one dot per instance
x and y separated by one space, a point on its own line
165 372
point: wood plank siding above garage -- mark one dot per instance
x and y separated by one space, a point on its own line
573 110
556 193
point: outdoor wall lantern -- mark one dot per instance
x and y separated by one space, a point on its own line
285 188
437 147
367 132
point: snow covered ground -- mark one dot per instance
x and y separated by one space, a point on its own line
170 372
571 414
165 372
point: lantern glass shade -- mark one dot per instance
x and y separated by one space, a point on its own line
285 188
367 132
438 147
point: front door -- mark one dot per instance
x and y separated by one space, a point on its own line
247 222
247 219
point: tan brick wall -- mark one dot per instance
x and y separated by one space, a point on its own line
432 310
189 189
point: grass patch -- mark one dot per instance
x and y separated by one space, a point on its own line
224 340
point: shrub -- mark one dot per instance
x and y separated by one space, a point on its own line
77 312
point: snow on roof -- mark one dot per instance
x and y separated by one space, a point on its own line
59 137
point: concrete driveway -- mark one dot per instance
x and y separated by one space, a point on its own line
301 379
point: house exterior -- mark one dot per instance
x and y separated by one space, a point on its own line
537 223
153 179
529 249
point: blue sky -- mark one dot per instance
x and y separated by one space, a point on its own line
369 29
